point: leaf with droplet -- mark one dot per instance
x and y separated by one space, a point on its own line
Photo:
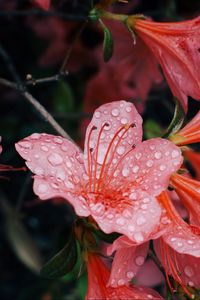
177 121
108 45
63 262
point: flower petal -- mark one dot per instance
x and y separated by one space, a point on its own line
184 267
126 264
58 165
149 166
118 126
138 220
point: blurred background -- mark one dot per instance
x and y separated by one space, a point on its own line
57 57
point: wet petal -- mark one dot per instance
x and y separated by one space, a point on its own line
108 129
149 166
126 263
58 165
138 218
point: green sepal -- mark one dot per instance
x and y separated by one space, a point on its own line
108 45
63 262
177 121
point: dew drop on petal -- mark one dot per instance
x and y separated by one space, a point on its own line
149 163
124 121
158 155
141 220
133 196
69 184
42 188
175 153
138 237
135 169
121 282
125 172
139 260
130 274
120 221
55 159
189 271
97 114
115 112
128 109
162 167
131 228
120 150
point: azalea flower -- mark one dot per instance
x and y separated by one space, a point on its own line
188 134
98 275
176 47
118 177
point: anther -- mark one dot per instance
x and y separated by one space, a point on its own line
91 149
133 125
93 127
106 124
133 146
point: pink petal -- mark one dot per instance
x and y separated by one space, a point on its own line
138 220
126 263
149 274
187 266
58 165
149 166
111 118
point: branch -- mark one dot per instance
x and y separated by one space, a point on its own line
39 107
32 81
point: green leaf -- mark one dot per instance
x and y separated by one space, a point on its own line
108 45
177 121
63 98
62 263
152 129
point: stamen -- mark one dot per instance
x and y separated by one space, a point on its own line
108 151
89 156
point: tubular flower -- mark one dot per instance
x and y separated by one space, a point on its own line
118 177
188 191
98 275
176 47
188 134
179 248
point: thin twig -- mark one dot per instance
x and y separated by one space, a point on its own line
41 13
39 107
66 59
31 81
21 88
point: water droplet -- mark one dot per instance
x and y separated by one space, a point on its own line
97 209
68 163
133 196
152 147
55 159
130 274
124 121
35 136
128 109
121 282
131 228
26 145
138 237
191 283
58 140
162 167
97 114
120 221
69 184
139 260
149 163
110 216
189 271
173 239
42 188
175 153
179 244
39 171
120 150
141 220
158 155
44 148
190 242
115 112
138 155
135 169
125 172
146 200
60 175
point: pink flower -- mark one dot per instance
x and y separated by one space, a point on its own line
44 4
176 47
98 275
118 177
130 74
189 134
